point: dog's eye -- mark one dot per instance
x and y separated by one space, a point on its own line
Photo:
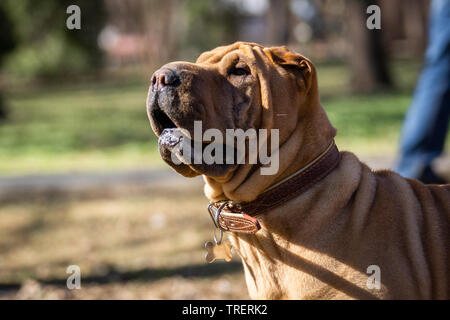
239 71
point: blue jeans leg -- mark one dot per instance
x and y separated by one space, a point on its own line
426 122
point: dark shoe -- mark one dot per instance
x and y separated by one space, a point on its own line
430 177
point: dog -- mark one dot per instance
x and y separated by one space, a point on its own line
325 226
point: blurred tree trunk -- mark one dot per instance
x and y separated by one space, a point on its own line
399 34
7 44
154 20
417 11
367 54
3 111
278 22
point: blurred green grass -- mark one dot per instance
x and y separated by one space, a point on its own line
93 126
104 126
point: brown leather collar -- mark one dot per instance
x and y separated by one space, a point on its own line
239 216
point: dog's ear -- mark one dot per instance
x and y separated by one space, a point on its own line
294 62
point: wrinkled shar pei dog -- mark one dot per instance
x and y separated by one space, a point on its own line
318 225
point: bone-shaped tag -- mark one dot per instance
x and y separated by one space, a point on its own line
218 251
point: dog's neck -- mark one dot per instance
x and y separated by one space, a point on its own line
309 139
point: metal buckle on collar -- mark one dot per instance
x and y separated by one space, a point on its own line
215 208
215 212
233 219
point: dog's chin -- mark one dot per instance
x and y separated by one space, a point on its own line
171 144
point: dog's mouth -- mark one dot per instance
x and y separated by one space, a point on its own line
181 151
170 136
161 121
164 120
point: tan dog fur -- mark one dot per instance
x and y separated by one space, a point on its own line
320 244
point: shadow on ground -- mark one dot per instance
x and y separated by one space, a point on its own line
147 275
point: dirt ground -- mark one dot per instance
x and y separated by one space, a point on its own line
141 246
135 235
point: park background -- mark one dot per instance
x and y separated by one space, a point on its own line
81 181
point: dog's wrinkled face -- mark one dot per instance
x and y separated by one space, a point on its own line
227 88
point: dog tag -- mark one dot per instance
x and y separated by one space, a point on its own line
216 251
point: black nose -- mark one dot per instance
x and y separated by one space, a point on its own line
163 78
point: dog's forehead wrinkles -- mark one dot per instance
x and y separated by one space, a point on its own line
230 58
217 54
225 58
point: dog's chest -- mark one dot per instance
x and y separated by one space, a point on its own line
282 271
